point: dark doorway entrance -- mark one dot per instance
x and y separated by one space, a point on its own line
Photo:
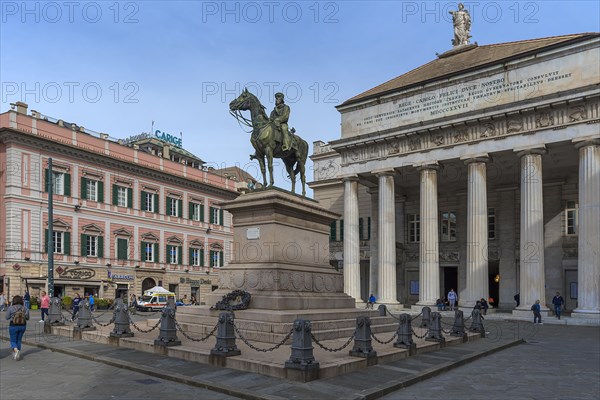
148 283
121 292
494 282
450 280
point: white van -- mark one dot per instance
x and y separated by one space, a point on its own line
154 299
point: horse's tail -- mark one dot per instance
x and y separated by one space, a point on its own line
301 154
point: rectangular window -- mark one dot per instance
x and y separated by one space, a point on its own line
195 211
122 198
448 231
174 207
195 259
216 258
414 228
58 242
491 223
149 252
91 246
173 254
360 229
122 249
333 231
341 230
92 190
571 218
58 183
149 200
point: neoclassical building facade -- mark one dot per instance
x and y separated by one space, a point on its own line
478 172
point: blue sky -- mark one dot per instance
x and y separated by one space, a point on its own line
115 67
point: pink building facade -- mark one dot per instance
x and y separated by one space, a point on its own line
124 220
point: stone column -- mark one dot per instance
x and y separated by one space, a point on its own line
531 249
477 233
374 242
429 266
387 239
351 239
588 273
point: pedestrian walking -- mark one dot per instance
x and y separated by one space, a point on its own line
518 299
537 315
91 302
18 315
371 301
44 305
76 304
133 303
27 300
484 306
452 297
2 301
558 302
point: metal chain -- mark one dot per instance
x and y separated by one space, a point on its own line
466 319
211 333
143 330
420 337
278 345
107 310
386 342
446 331
416 316
331 349
392 315
103 325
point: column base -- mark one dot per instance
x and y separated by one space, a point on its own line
585 314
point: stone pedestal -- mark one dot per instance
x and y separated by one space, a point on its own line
281 254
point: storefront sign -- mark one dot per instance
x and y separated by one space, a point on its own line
121 277
195 282
76 273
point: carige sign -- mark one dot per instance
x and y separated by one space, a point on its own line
168 138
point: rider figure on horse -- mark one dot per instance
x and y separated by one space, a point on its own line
279 116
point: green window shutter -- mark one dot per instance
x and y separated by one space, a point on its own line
202 212
180 208
156 205
143 201
201 255
211 262
221 259
360 229
168 255
156 258
341 229
221 219
190 210
143 252
67 243
115 195
100 246
83 189
129 197
46 240
212 215
82 245
121 249
46 179
369 228
190 256
332 231
67 184
100 192
180 255
168 206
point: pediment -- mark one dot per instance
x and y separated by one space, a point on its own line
122 232
60 224
174 239
92 228
196 243
150 236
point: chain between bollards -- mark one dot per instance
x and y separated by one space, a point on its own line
143 330
350 339
211 333
384 342
258 348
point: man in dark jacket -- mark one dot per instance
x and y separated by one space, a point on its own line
558 302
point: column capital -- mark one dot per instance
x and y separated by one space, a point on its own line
384 172
586 142
479 158
523 151
349 178
422 167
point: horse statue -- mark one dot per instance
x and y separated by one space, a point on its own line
267 139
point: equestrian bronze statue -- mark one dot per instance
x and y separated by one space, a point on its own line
268 139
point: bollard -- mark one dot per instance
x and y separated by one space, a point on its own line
302 357
477 325
458 328
121 318
225 346
55 313
435 329
362 340
382 310
405 335
168 330
426 317
84 318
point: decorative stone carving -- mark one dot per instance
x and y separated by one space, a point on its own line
449 256
414 144
394 147
437 140
280 280
570 252
577 113
412 256
544 120
488 130
460 136
354 155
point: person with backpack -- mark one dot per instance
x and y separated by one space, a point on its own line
18 315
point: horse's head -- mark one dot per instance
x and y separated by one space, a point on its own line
243 102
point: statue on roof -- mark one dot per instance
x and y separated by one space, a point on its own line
462 26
